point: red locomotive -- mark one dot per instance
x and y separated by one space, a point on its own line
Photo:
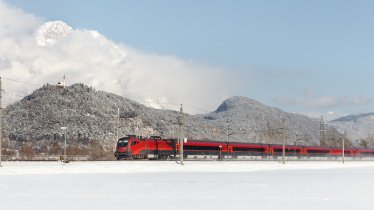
155 147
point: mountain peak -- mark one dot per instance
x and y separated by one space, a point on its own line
51 31
353 117
235 102
48 88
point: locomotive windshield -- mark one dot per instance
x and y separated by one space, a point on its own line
122 142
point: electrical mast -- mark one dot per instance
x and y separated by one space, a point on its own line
322 131
180 122
117 124
284 140
343 146
228 130
1 113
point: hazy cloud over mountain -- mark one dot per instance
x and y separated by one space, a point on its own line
41 52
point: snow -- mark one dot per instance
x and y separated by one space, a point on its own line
51 31
356 127
196 185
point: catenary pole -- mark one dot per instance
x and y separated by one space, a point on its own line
343 147
180 121
65 147
284 141
228 128
64 129
1 113
117 124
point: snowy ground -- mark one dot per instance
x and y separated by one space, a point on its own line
197 185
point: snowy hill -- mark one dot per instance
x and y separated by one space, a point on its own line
357 127
250 119
91 116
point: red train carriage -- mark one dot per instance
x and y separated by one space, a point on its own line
244 149
276 150
132 147
349 152
353 152
365 152
204 148
316 151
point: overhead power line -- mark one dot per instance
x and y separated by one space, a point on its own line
174 105
12 94
10 99
197 108
22 82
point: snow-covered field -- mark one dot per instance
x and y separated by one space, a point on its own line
196 185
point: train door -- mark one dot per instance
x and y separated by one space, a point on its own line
177 148
271 151
306 155
151 146
229 150
146 148
266 150
156 152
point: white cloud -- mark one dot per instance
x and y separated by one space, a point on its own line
86 56
322 102
327 116
362 100
310 101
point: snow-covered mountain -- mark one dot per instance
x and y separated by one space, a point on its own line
91 116
249 119
357 127
51 31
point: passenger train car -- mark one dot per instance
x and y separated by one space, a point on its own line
155 147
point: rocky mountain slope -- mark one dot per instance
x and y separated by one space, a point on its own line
92 115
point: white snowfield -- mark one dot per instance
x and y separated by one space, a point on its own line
267 185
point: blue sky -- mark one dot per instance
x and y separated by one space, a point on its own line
310 57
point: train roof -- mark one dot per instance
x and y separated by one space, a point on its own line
244 143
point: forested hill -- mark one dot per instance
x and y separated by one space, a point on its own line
91 115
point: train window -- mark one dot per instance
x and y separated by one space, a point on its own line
240 149
318 151
209 148
134 143
187 147
367 153
122 143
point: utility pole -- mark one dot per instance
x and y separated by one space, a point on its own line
64 129
65 148
66 113
343 147
1 113
284 141
322 131
220 152
180 122
117 124
228 129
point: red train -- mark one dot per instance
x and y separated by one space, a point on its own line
135 147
